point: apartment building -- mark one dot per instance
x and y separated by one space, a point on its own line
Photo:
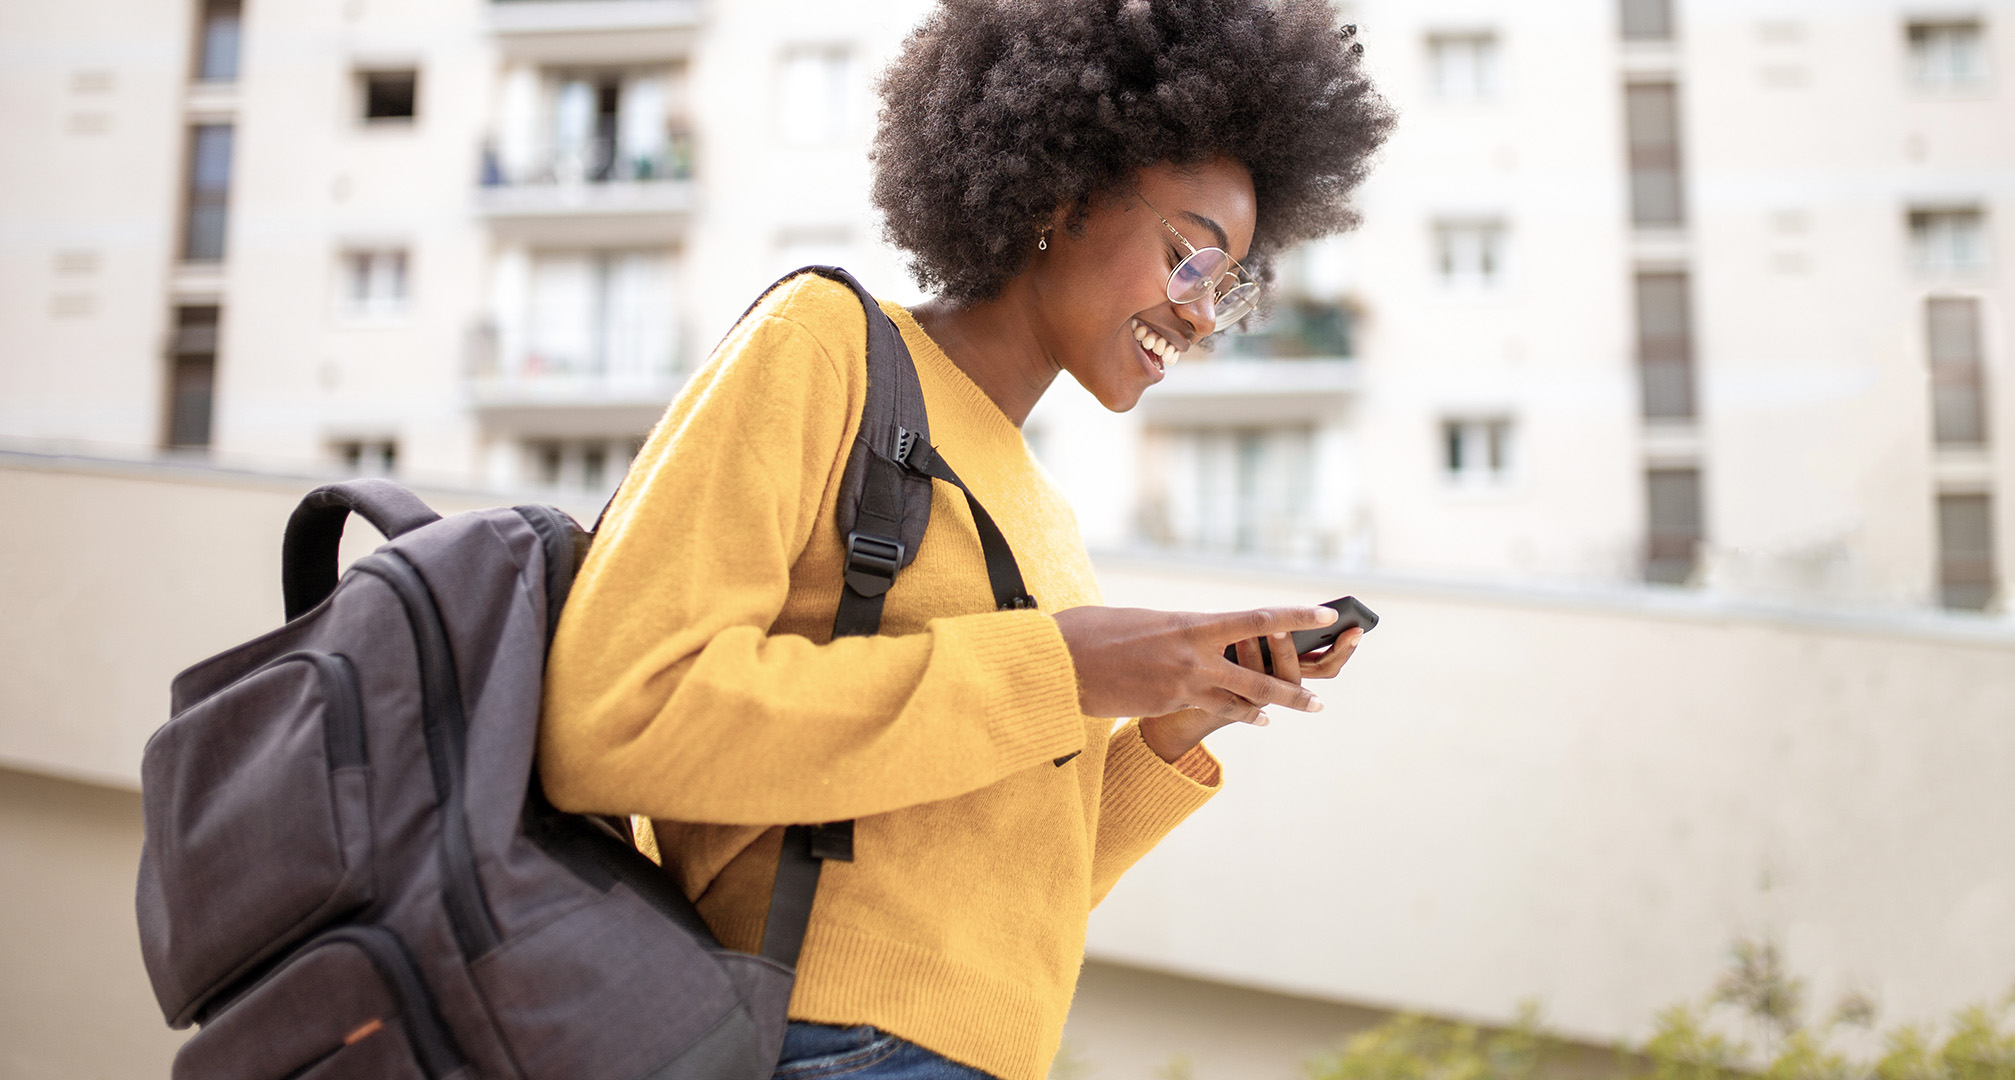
1647 291
1697 295
476 244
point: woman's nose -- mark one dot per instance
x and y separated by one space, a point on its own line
1200 314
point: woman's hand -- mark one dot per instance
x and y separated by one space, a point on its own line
1174 735
1169 667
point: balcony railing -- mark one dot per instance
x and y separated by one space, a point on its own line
613 384
593 177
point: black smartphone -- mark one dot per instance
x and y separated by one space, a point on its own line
1350 613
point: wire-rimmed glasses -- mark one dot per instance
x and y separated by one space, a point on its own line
1209 272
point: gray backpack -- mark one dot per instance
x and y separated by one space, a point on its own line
350 868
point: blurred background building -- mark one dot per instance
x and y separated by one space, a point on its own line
1661 403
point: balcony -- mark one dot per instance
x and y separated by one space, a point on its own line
1234 392
1295 366
589 191
594 31
613 385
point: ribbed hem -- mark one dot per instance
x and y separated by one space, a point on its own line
1144 797
1145 784
1031 703
1198 765
1003 1028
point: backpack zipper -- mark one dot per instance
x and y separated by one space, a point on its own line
446 730
345 727
433 1046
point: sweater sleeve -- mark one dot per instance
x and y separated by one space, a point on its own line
1144 798
667 696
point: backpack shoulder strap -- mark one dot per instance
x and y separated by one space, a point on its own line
884 509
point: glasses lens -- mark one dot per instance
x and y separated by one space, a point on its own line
1236 304
1197 275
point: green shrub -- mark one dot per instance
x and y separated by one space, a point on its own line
1692 1041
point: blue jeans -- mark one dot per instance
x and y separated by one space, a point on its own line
818 1051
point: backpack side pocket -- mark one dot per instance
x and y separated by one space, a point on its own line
257 805
349 1005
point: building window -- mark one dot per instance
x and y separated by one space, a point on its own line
1947 241
1469 255
374 283
1674 527
604 314
1651 111
1476 453
1965 551
389 97
192 378
1665 346
1947 55
1647 20
1231 490
573 127
209 192
1297 328
1958 413
1463 67
367 457
815 96
593 466
217 34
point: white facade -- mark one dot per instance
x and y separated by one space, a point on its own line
503 289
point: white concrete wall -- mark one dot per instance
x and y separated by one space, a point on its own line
1585 798
1582 797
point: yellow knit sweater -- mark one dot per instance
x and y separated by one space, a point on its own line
693 680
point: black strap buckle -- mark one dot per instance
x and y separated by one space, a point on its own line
872 562
834 840
1024 602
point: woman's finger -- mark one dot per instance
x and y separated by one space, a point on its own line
1231 626
1233 709
1286 664
1330 661
1248 655
1264 690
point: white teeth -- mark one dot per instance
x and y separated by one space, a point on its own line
1156 344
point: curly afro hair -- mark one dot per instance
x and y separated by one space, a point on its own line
998 112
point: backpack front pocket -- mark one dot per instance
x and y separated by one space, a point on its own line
349 1005
257 803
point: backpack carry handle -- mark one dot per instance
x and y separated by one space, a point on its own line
308 553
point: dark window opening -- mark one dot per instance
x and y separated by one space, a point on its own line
1647 20
1675 526
390 95
1958 413
1651 114
217 38
1665 346
209 193
192 378
369 457
1965 551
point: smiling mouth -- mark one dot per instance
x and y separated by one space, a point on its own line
1159 349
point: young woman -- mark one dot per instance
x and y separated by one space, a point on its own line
1090 186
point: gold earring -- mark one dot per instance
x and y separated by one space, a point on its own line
1042 241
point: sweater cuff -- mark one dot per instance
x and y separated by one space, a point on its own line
1031 684
1157 793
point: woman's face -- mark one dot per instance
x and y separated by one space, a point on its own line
1097 289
